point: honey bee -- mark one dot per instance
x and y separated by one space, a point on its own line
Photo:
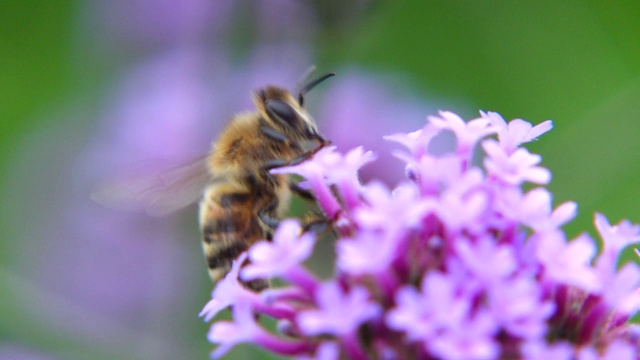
242 201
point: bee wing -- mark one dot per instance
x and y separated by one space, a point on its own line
157 193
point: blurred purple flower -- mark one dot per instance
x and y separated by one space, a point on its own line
467 134
338 313
16 352
621 290
568 262
511 135
276 18
463 205
235 79
618 350
288 250
244 328
283 256
614 239
169 23
543 350
381 203
160 110
156 112
229 291
331 168
515 168
488 261
100 267
517 305
424 315
163 23
369 253
360 108
535 211
472 339
228 334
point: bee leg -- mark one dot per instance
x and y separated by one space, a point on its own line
317 225
268 220
257 285
275 163
274 134
312 222
315 222
305 156
303 193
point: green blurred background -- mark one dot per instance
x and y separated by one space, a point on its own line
575 62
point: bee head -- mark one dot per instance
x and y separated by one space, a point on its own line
282 111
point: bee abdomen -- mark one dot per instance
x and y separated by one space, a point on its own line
220 255
226 237
234 199
222 248
228 225
225 229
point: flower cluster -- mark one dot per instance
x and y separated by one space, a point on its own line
457 262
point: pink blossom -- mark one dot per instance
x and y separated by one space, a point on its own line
339 313
457 262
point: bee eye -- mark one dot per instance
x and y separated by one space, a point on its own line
281 112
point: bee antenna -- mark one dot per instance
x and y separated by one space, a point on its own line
305 76
310 85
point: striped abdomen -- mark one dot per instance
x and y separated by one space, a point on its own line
229 226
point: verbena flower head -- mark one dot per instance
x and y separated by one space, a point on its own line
456 262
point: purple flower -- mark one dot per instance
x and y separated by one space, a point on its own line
283 256
614 239
534 210
416 142
330 168
517 305
326 351
618 350
144 22
474 339
467 134
456 262
622 290
514 168
228 334
380 204
618 236
488 261
339 313
437 307
245 329
542 350
568 262
464 203
228 291
432 174
287 250
369 253
511 135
